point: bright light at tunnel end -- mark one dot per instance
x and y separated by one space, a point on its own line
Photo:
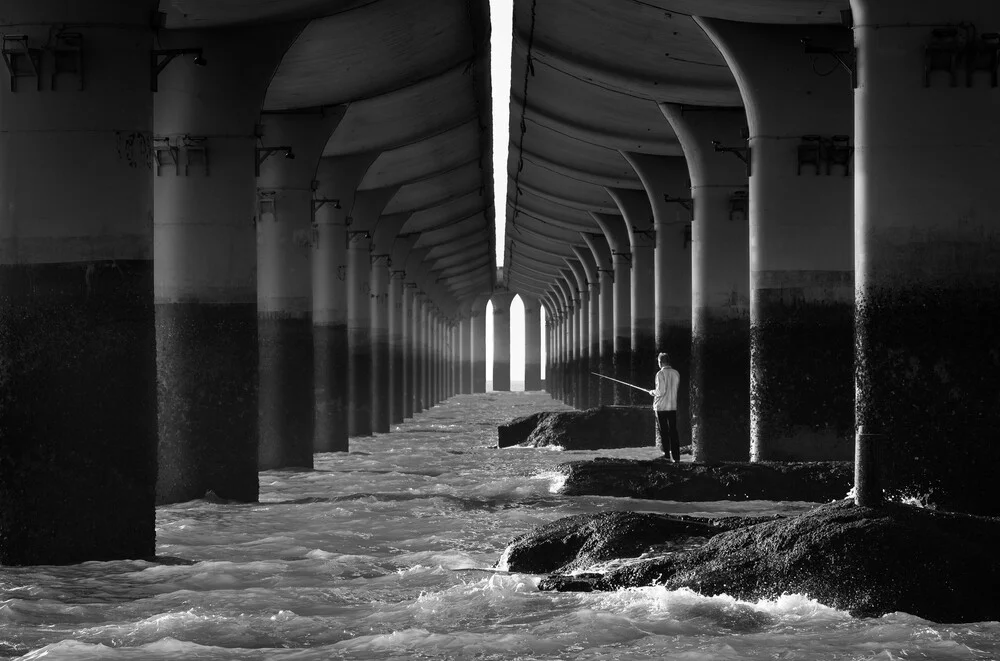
501 41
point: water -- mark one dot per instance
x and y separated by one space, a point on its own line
386 554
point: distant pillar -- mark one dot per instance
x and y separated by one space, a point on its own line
409 342
204 262
666 178
284 289
359 359
565 340
397 347
77 335
720 283
381 367
592 332
479 348
532 344
928 279
802 229
606 309
581 334
419 350
465 354
501 341
636 211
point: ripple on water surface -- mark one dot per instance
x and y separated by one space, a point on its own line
387 553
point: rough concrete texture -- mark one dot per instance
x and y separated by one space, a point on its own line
593 429
662 480
935 565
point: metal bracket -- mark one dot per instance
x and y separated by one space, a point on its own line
649 234
358 234
848 59
160 58
626 255
16 53
742 153
67 57
195 148
685 202
320 202
397 274
265 203
263 153
387 258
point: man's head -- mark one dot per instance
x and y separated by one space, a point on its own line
663 359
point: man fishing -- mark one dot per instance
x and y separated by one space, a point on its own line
665 408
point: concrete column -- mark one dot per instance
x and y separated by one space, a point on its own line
665 178
465 354
204 260
419 350
284 285
928 280
359 359
618 240
381 369
638 216
337 180
397 350
568 368
581 334
501 340
592 334
532 343
427 330
77 335
801 240
479 347
720 283
606 300
409 344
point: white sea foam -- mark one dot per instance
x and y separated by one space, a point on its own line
386 553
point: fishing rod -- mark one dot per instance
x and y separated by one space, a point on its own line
630 385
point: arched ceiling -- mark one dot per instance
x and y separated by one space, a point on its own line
589 91
414 78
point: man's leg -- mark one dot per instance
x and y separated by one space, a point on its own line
662 430
675 439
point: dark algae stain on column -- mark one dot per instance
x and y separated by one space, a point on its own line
802 384
77 412
206 361
720 376
928 361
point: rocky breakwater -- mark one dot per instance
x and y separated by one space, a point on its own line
658 479
867 561
601 428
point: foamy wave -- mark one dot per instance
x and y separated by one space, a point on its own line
720 611
167 649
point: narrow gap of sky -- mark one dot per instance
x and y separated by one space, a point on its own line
501 42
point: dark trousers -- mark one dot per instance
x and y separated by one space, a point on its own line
666 429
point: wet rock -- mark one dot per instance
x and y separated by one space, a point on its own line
584 540
517 430
935 565
593 429
663 480
939 566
